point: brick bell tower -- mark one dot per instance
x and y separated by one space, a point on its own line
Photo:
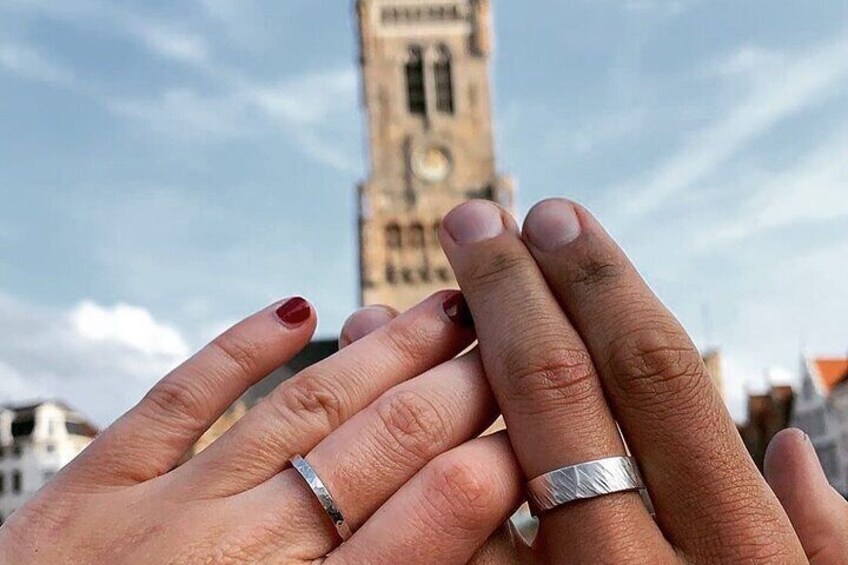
427 95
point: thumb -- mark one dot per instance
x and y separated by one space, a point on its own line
818 513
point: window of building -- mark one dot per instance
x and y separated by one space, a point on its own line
416 236
2 483
393 236
22 428
391 274
50 447
48 476
415 88
17 482
443 73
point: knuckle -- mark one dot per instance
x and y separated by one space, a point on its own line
660 364
178 399
498 269
460 494
308 399
414 424
240 351
408 340
552 375
596 271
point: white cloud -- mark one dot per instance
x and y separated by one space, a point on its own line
129 326
780 92
32 65
100 359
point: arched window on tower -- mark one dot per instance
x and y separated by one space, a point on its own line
393 236
415 88
443 73
416 236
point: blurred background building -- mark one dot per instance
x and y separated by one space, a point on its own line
427 97
35 442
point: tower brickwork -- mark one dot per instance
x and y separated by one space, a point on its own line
427 96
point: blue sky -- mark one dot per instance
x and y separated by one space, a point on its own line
167 167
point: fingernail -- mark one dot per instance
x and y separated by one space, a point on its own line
474 221
457 311
365 321
551 224
294 312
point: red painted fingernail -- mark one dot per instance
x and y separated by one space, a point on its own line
294 312
457 311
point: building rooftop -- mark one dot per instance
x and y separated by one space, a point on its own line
831 371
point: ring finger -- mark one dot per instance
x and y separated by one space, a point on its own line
365 461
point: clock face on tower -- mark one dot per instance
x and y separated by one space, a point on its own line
431 163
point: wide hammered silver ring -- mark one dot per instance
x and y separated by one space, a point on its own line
586 480
316 485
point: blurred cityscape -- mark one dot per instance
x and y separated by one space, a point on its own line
428 104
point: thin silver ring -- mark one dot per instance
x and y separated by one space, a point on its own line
316 485
586 480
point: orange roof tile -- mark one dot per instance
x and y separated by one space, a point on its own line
832 371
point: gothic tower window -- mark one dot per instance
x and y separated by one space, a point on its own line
416 236
442 71
415 87
393 236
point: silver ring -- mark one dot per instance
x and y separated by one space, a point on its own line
316 485
586 480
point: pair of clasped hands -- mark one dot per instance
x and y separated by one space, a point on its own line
573 349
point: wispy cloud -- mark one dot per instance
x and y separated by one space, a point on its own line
775 93
167 42
815 189
302 107
185 114
307 99
226 105
30 64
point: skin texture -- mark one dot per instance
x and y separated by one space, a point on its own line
572 339
573 346
389 423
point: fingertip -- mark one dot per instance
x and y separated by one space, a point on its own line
295 312
365 321
791 457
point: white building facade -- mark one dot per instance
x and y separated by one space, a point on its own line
35 442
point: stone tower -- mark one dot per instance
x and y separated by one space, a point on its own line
425 67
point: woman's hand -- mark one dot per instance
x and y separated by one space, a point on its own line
388 424
574 342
